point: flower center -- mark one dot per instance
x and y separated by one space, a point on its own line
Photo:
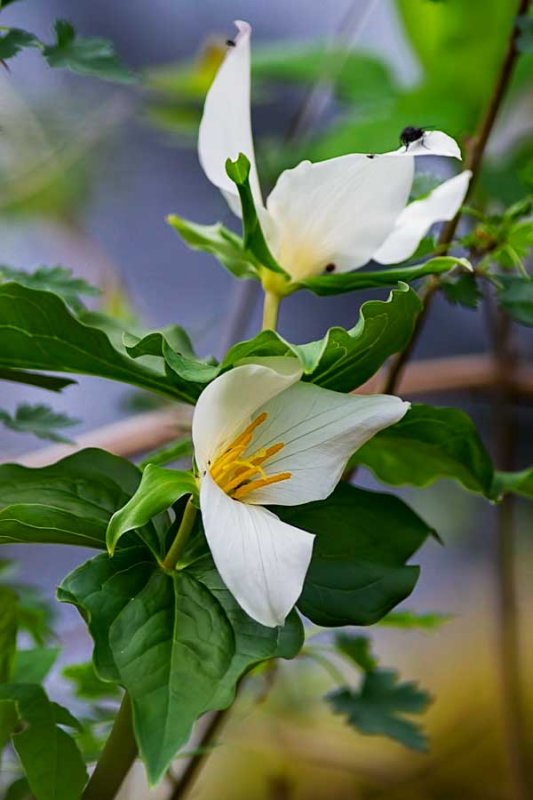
237 474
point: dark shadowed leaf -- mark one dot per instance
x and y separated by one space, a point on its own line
381 705
358 649
15 40
428 444
516 297
462 291
49 382
358 572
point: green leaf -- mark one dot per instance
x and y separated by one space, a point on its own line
87 56
254 240
4 3
70 502
37 331
9 719
344 360
380 706
87 685
464 291
520 483
8 632
191 372
49 382
158 490
358 571
53 279
19 790
218 241
428 444
178 643
353 281
32 666
40 420
410 620
516 297
14 41
51 760
358 649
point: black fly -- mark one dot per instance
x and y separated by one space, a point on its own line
410 135
230 43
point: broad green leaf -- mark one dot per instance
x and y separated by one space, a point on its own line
9 719
428 444
15 40
32 666
410 620
53 279
158 490
40 420
358 649
87 685
70 502
88 56
388 276
358 571
516 482
380 707
464 291
191 373
253 238
343 360
38 332
218 241
178 643
516 297
51 760
8 631
49 382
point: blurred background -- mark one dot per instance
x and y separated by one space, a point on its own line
88 172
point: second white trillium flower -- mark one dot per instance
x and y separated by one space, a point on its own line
335 215
262 437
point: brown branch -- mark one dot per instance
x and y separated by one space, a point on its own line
474 156
144 432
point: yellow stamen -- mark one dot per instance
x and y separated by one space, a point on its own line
238 476
253 485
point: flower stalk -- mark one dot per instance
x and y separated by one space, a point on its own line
182 536
270 310
116 759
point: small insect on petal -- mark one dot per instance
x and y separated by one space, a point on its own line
230 43
330 268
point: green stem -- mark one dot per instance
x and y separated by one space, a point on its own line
117 757
184 531
270 310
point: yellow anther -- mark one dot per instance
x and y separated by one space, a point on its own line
253 485
236 475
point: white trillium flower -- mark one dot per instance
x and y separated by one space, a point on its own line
262 437
335 215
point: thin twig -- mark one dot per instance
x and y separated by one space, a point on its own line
196 763
507 622
474 156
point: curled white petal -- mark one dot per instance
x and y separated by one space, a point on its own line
442 204
320 430
262 560
432 143
227 404
226 126
335 212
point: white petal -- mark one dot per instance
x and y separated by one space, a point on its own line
320 429
262 561
226 126
442 203
226 405
335 212
432 143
